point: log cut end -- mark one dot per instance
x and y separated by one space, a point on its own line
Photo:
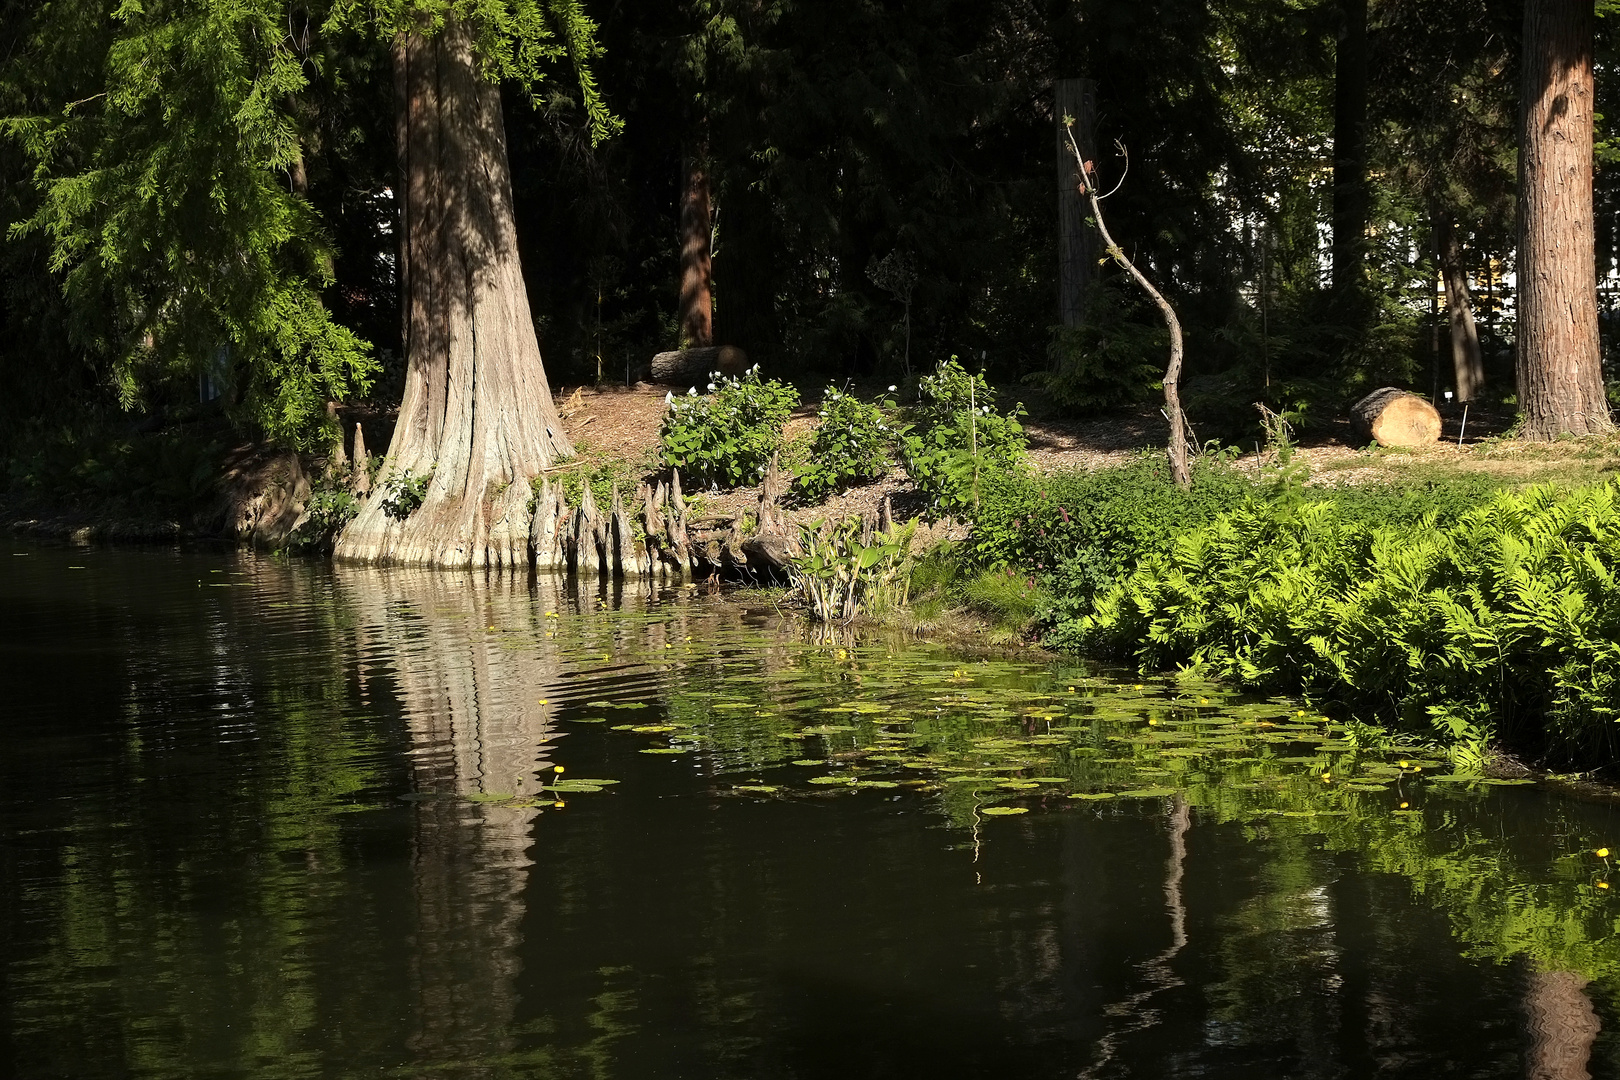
695 365
1393 417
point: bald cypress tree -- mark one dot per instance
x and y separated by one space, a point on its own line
1559 374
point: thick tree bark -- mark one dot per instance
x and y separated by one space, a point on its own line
1077 247
1466 362
697 304
477 411
1559 373
1351 201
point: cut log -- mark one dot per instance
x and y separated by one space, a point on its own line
692 367
1395 418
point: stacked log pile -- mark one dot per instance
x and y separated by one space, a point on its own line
667 547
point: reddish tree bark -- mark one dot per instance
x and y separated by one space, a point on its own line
1467 365
477 411
1559 375
697 302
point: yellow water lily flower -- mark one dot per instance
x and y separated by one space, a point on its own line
1603 853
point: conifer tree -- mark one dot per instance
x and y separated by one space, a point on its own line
1560 379
477 420
163 190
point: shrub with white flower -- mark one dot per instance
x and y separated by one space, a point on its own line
852 445
726 437
955 435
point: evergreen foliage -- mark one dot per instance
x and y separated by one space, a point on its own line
163 193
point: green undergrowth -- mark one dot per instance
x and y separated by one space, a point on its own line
1463 625
174 471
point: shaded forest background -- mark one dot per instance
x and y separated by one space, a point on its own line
836 137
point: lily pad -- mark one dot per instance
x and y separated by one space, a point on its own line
1004 811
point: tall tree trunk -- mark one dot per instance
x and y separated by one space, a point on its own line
1077 248
1351 202
697 303
1466 363
477 411
1559 373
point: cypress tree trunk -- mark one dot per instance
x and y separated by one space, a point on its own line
1466 362
477 411
1559 375
697 305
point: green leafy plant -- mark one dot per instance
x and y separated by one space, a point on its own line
1115 356
955 438
850 446
1077 531
331 506
403 494
845 572
1502 624
726 437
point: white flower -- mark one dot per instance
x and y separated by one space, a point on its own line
711 387
692 392
669 398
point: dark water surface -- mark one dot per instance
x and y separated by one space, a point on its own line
274 819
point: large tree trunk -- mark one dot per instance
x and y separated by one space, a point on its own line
697 303
1466 361
477 411
1559 375
1351 201
1077 250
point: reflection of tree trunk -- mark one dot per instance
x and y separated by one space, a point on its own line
1465 357
477 731
1157 971
1563 1026
1175 870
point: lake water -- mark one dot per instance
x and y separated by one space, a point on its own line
270 818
